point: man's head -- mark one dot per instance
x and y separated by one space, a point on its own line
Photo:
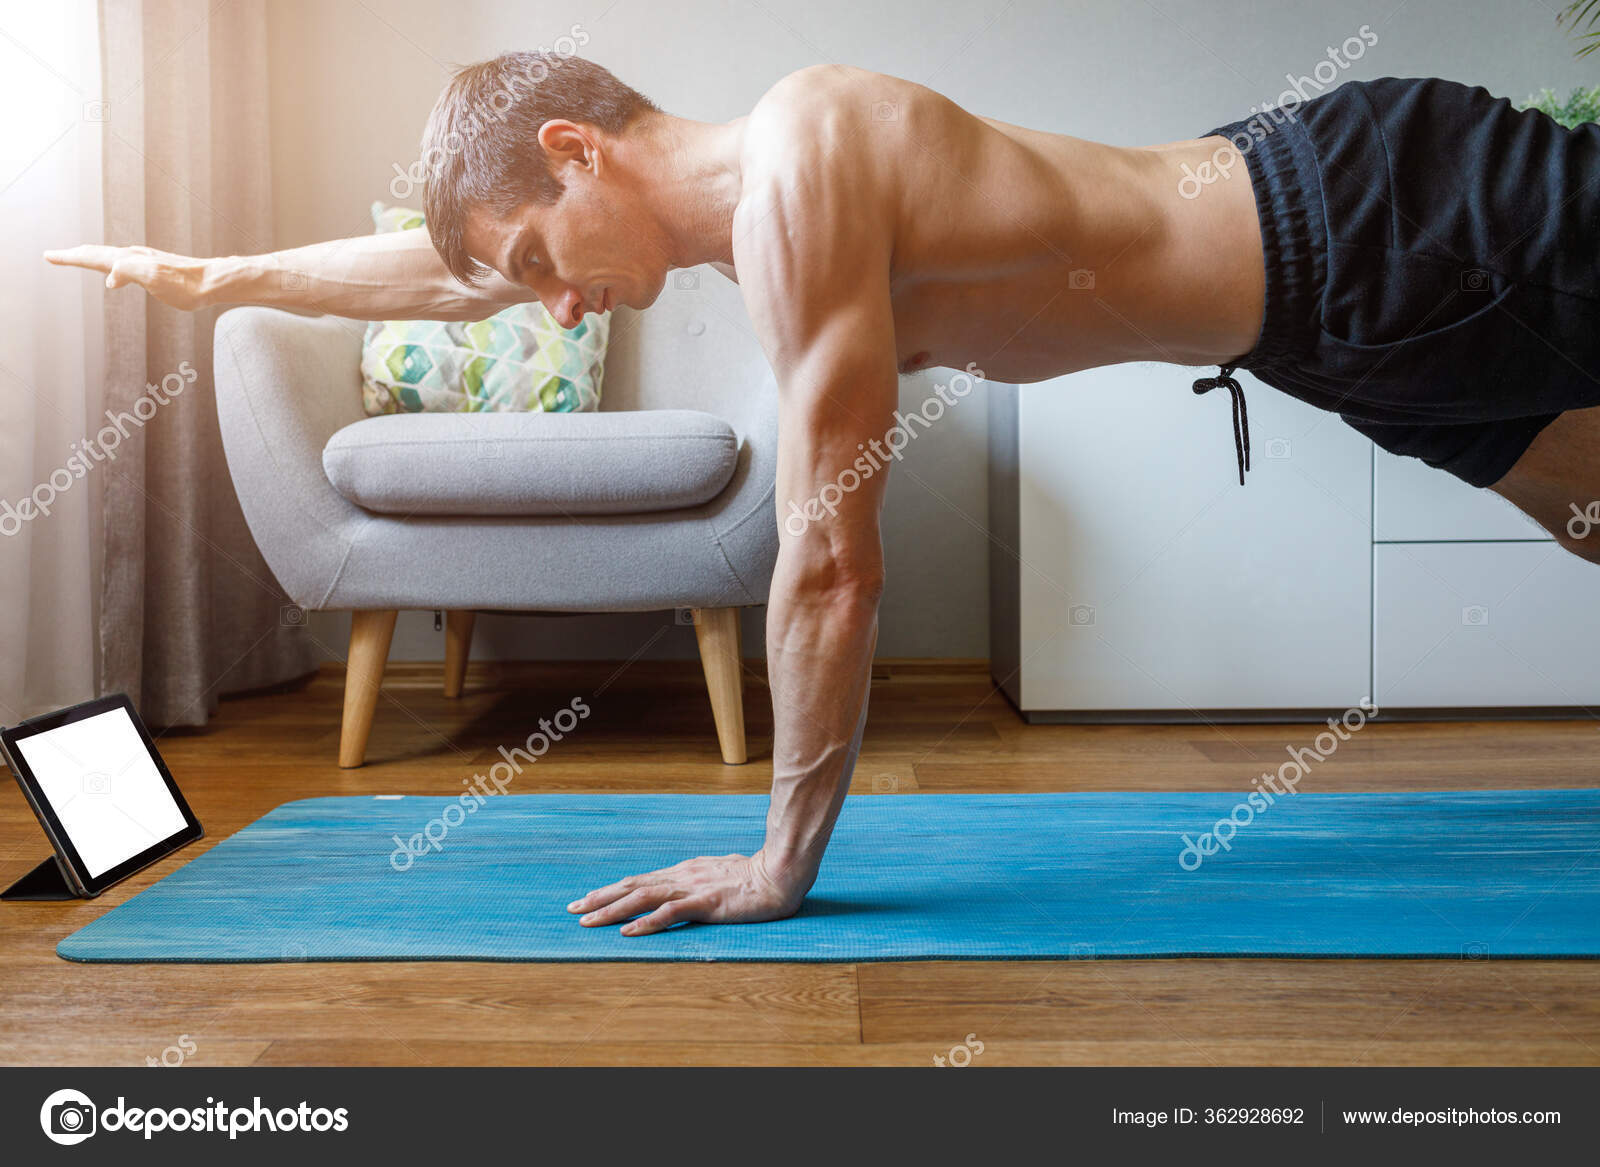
521 158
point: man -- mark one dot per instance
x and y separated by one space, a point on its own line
1415 255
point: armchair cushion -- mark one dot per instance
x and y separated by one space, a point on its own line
518 360
532 463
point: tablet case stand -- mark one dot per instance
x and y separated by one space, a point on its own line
44 882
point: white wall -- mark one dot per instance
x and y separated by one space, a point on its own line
353 83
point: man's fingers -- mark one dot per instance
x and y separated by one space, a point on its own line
95 256
121 265
130 270
665 917
601 896
641 900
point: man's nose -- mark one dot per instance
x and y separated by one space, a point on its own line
567 308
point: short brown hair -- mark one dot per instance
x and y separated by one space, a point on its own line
481 145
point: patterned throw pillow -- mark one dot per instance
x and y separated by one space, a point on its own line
518 360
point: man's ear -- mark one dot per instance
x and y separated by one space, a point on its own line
568 143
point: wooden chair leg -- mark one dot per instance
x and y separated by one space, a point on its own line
717 630
370 634
457 645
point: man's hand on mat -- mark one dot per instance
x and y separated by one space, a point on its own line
177 280
727 889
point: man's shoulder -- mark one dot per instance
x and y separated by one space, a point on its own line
812 112
821 175
816 88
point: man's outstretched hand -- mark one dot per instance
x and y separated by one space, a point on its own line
727 889
177 280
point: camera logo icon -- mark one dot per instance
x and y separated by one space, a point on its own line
1279 448
1474 279
1080 279
67 1117
1475 616
97 783
686 281
1080 616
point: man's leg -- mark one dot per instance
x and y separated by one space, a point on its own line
1558 471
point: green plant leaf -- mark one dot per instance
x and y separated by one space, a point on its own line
1582 105
1582 14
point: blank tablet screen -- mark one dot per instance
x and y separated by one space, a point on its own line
104 787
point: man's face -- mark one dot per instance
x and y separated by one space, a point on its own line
589 251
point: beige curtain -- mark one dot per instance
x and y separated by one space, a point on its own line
50 367
188 609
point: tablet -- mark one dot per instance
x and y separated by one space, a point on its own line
101 791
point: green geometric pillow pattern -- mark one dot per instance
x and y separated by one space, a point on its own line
519 360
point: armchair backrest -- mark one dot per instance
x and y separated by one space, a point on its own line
694 348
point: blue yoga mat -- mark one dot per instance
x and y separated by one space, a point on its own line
908 877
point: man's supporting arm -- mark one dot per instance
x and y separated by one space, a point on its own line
397 276
815 269
822 611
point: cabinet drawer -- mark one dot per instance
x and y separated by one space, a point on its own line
1472 624
1411 501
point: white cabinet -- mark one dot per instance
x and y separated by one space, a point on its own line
1131 576
1485 624
1413 502
1146 580
1474 604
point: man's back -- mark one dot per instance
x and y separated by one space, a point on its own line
1033 254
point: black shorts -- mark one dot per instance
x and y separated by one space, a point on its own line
1432 266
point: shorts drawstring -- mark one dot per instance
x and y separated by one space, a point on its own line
1241 420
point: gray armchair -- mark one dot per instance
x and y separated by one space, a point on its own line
512 512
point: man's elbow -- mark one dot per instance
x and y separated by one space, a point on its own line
839 583
858 589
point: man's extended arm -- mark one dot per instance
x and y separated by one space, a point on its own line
398 276
815 269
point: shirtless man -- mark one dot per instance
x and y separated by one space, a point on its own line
1415 255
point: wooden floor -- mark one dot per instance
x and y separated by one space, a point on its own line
933 727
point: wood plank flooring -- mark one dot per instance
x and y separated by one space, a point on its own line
935 726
